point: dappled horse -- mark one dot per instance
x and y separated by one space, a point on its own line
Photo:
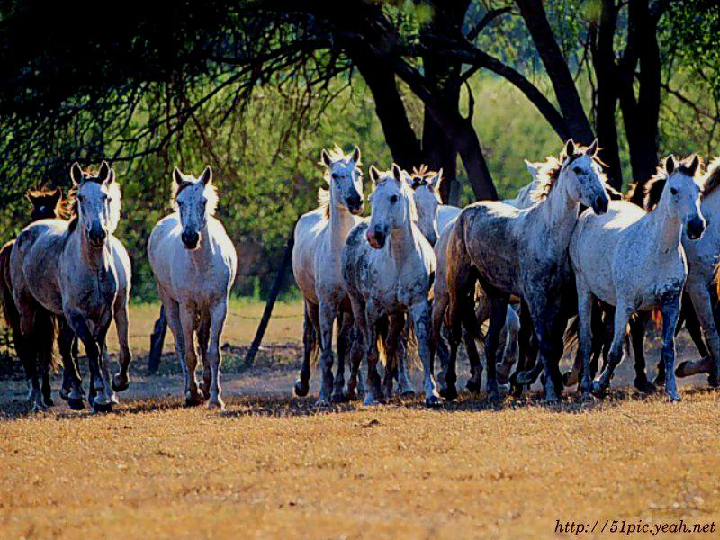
610 255
78 270
388 266
194 263
523 252
44 205
319 239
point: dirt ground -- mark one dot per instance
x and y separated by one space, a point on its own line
271 465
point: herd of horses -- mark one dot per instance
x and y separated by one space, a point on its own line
568 259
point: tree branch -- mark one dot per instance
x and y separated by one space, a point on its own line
489 17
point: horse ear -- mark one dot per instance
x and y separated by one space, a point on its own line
592 149
437 181
111 177
532 169
76 173
356 155
397 172
374 174
325 158
693 166
104 171
178 176
670 164
56 194
206 175
569 148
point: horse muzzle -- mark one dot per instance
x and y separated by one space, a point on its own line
695 227
376 239
96 236
600 204
354 205
190 240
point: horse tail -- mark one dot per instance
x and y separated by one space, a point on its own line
572 334
657 319
10 312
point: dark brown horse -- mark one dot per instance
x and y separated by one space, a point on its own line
45 205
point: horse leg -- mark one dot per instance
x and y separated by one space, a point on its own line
710 363
204 339
26 349
498 314
670 310
121 380
637 335
328 314
310 324
357 333
527 350
218 313
623 312
373 393
396 352
420 317
344 323
439 306
71 389
475 381
172 312
79 326
692 323
104 402
585 308
510 353
193 396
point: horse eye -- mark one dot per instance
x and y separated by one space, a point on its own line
393 199
673 191
80 198
577 170
334 176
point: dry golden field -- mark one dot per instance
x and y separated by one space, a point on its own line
272 466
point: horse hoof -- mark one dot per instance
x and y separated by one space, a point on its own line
102 406
516 390
115 400
48 402
301 389
673 396
63 393
321 403
449 394
493 396
119 384
713 381
473 387
524 377
369 401
76 404
597 390
407 394
585 396
569 378
193 400
218 404
659 380
338 396
646 387
502 376
432 401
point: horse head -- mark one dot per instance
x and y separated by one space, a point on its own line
344 178
392 203
195 200
97 202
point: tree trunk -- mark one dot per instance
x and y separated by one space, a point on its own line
566 93
603 58
399 135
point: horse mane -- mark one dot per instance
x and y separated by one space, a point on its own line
549 172
712 178
91 176
421 177
653 188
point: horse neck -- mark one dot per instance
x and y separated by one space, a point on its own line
665 230
340 223
92 257
202 255
402 241
559 212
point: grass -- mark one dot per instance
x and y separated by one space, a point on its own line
273 466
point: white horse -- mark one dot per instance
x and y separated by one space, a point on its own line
702 256
388 266
612 255
77 270
522 252
194 264
317 267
